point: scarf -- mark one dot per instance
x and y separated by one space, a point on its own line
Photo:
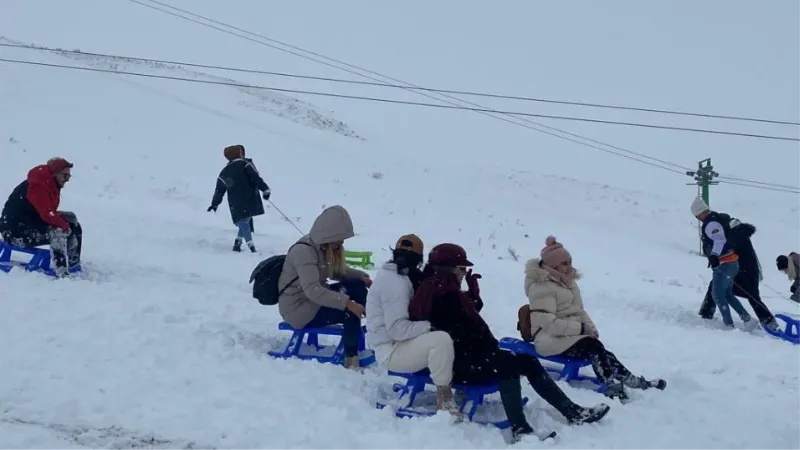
558 277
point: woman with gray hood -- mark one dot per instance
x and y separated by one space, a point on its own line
307 300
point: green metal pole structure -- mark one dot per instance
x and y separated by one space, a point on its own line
703 178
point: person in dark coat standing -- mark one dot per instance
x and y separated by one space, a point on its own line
241 181
31 218
745 283
478 358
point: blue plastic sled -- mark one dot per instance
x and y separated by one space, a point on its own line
472 396
790 331
321 353
39 259
570 370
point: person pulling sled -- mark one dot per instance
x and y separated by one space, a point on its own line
242 182
719 246
746 282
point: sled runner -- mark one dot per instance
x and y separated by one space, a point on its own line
570 368
790 331
469 398
312 349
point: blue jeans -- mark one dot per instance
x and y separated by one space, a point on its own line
722 292
351 333
244 230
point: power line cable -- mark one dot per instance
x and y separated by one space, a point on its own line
396 86
744 180
634 156
768 188
410 87
404 102
506 119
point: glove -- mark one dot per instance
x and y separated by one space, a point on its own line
266 194
713 261
211 208
472 284
793 289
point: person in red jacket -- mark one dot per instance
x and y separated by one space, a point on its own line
31 218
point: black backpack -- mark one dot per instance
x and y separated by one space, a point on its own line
265 278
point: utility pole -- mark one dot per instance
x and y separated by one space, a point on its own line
703 178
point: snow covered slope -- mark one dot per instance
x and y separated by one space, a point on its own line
162 344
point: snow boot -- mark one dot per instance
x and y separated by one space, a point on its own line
772 325
237 245
639 382
511 396
252 247
446 402
580 415
352 362
616 390
518 432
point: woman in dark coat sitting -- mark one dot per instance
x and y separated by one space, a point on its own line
478 359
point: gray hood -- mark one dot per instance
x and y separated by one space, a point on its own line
332 225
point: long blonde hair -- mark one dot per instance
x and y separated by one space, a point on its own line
334 260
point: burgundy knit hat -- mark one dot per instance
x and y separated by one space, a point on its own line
450 255
554 254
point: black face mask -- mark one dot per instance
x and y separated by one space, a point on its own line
406 261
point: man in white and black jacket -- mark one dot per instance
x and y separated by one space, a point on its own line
746 282
719 246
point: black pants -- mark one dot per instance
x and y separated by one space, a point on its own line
351 325
509 368
745 285
65 247
605 364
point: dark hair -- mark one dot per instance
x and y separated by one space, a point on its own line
408 264
406 260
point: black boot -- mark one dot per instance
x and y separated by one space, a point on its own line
518 432
237 245
544 385
580 415
252 247
511 395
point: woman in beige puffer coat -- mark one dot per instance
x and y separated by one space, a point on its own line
557 323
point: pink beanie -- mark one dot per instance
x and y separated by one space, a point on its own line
554 254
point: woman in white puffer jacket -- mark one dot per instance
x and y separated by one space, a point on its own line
400 344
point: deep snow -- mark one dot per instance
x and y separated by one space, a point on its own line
161 343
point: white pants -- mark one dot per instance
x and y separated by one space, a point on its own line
432 350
